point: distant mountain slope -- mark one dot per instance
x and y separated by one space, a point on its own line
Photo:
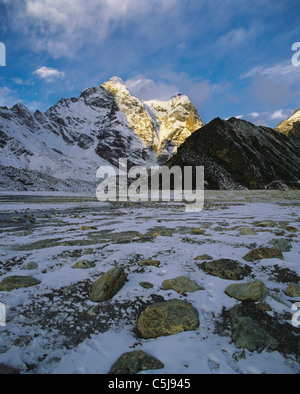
237 154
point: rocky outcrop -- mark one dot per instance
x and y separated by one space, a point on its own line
239 155
162 125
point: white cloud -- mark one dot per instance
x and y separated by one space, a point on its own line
281 71
270 119
8 97
62 26
48 73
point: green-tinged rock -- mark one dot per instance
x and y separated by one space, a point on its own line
247 231
162 233
198 231
226 269
146 285
263 253
147 263
181 285
30 266
88 251
203 257
251 291
108 285
83 264
282 244
266 223
248 334
167 318
135 362
293 290
264 307
17 282
87 228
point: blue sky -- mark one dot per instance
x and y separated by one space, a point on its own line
231 57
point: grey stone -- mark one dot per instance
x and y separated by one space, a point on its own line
181 285
282 244
108 285
226 269
134 362
251 291
248 334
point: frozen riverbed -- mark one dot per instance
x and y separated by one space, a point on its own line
54 327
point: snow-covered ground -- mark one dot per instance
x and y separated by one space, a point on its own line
53 327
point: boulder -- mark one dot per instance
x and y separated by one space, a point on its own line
162 233
293 290
226 269
203 257
83 264
147 263
87 228
248 334
108 285
30 266
167 318
263 253
16 282
282 244
266 223
251 291
181 285
247 231
135 362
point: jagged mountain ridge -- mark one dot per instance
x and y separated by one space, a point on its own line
64 146
291 126
237 154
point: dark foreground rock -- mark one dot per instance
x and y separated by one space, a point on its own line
226 269
134 362
255 330
248 334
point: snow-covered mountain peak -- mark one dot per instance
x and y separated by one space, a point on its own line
66 144
291 126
